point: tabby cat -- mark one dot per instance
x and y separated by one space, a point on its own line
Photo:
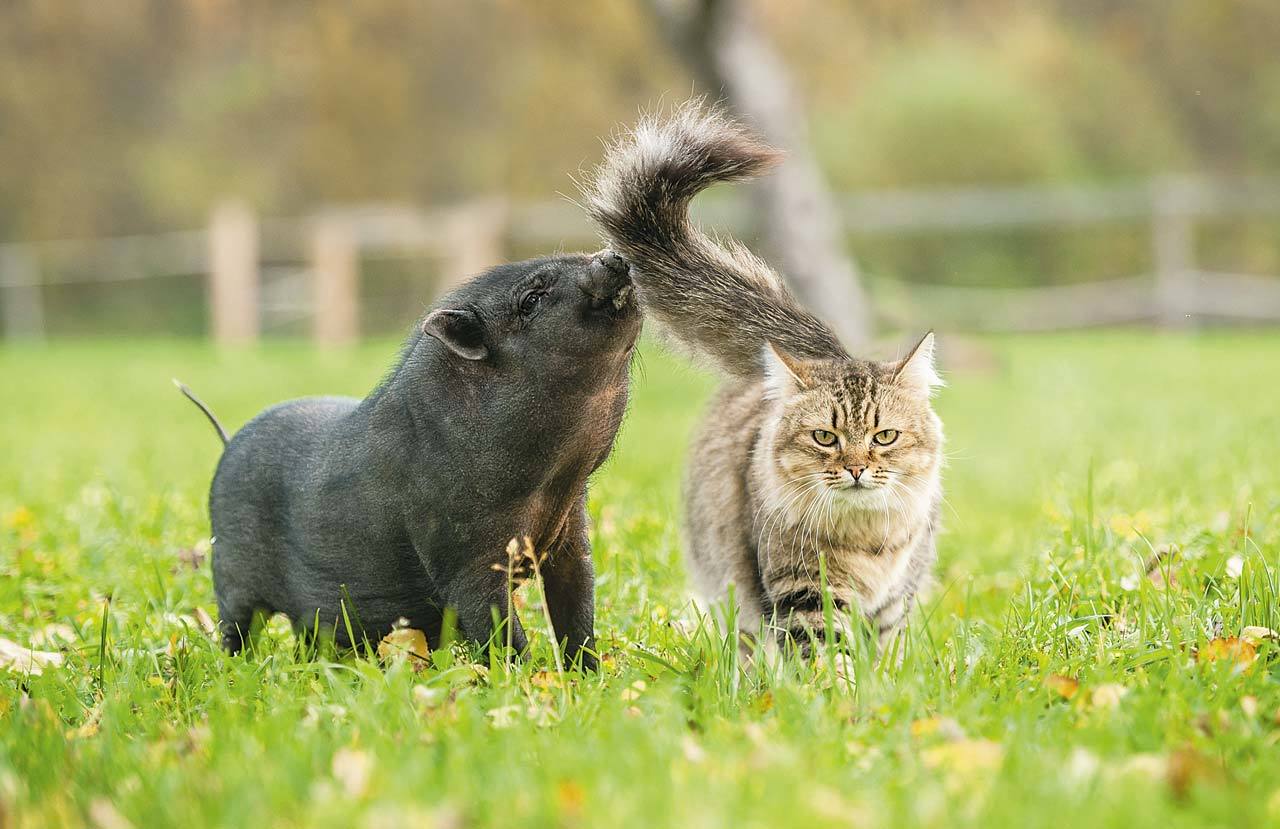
809 460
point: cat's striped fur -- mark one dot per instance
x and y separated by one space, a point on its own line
766 495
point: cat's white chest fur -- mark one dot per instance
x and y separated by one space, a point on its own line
869 553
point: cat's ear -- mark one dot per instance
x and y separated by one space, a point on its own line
917 370
784 374
462 332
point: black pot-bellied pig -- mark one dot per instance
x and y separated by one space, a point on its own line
504 400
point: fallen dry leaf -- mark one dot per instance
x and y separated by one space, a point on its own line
205 621
1186 767
633 693
25 660
353 769
1238 651
194 557
1064 686
54 635
404 643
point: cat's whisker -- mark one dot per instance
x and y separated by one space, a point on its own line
942 498
780 514
783 493
786 491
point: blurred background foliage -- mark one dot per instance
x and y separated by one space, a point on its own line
137 115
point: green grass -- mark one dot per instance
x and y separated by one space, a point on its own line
1073 457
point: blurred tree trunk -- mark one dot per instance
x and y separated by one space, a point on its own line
732 60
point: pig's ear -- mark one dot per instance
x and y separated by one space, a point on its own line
462 331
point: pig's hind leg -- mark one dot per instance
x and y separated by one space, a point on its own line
235 623
240 610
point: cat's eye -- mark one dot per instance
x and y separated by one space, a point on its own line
884 437
824 438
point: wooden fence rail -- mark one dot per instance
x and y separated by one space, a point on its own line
235 251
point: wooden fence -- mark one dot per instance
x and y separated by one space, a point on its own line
467 238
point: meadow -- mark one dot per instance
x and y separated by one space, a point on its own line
1096 650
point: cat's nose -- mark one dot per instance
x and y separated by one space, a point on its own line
855 472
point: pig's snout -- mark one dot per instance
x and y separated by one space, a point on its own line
607 281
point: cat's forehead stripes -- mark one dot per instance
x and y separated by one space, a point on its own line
861 396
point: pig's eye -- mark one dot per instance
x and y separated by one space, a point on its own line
529 302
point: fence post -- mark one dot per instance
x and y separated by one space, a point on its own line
1173 237
233 275
335 283
23 298
475 240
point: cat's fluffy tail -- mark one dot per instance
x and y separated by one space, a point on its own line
719 299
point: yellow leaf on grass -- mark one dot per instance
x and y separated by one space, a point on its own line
23 660
1238 651
1064 686
546 679
19 518
404 643
571 797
